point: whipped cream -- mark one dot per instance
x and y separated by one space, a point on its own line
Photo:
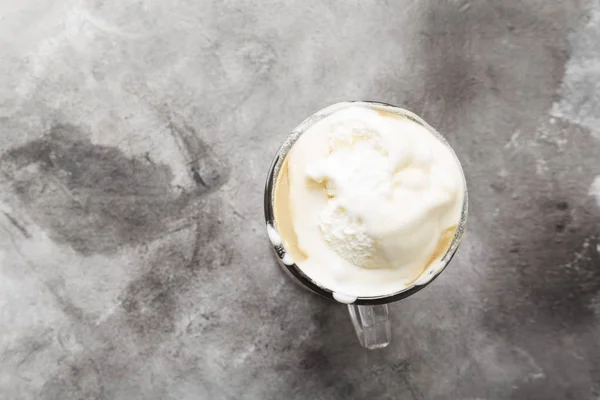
372 194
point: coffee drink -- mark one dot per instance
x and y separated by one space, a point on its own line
367 201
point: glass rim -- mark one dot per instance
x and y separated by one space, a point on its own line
427 276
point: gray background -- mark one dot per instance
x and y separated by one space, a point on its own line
135 138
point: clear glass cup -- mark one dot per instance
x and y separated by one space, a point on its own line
370 315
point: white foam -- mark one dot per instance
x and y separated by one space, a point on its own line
274 237
344 298
425 277
287 259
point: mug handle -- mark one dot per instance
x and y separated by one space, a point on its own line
372 325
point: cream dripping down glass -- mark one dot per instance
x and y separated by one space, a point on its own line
365 204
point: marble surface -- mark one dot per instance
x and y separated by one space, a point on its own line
135 138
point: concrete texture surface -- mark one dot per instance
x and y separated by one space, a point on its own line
135 138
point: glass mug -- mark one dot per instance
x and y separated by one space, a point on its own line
370 315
